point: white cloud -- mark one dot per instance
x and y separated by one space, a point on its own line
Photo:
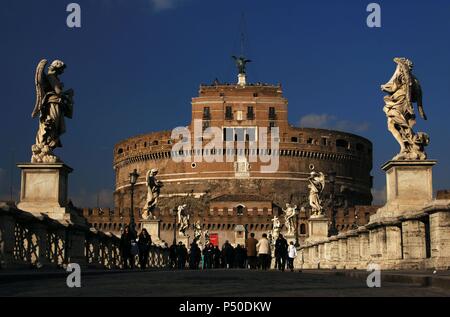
326 121
161 5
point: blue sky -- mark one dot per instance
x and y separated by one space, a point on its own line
135 65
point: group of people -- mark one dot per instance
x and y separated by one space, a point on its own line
254 255
133 245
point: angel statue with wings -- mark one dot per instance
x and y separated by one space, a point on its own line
153 189
316 186
403 91
183 219
241 63
52 105
289 216
197 230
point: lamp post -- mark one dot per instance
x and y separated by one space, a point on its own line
297 244
175 225
332 231
133 179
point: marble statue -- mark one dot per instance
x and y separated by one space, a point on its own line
276 228
53 103
403 91
197 230
153 189
183 220
316 187
289 215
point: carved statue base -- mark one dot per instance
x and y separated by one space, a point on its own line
409 186
240 235
153 228
43 190
289 238
317 229
241 80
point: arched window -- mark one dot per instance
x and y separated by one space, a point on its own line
240 210
155 142
120 151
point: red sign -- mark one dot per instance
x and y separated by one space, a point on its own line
214 239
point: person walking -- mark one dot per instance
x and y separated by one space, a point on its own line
144 243
217 256
281 252
263 247
194 256
125 248
292 254
251 251
228 251
173 255
181 256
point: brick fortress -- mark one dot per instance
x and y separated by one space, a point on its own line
226 195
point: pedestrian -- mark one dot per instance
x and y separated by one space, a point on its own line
217 256
251 251
144 243
194 256
263 247
126 241
292 254
228 251
281 252
181 256
173 255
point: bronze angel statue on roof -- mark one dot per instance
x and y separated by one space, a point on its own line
403 91
52 105
241 63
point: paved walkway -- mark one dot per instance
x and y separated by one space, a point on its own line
228 283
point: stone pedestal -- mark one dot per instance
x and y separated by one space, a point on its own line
241 80
153 228
240 235
185 240
44 190
409 186
290 238
318 229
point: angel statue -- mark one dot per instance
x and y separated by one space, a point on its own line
206 235
153 189
183 220
197 230
240 63
316 186
276 228
52 105
289 216
404 90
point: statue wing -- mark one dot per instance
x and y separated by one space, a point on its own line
417 97
39 81
322 180
147 175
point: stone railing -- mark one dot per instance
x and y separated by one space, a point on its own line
29 241
419 240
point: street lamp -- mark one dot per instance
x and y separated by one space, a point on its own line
175 213
332 231
297 244
133 179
